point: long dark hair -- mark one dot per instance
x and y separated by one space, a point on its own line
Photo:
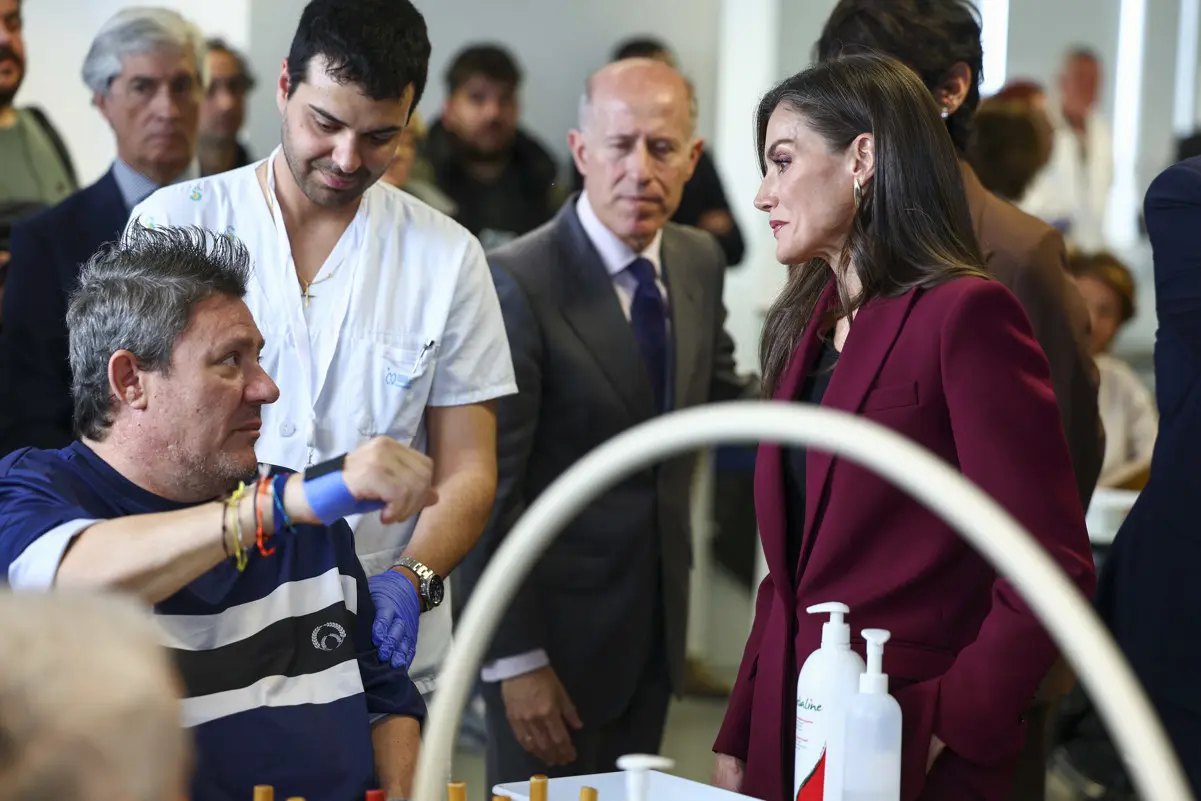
913 229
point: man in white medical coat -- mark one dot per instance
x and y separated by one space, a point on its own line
379 313
1072 191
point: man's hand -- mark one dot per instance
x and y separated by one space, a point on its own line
937 746
728 773
537 707
397 614
383 469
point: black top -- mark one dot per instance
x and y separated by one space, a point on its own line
520 200
813 388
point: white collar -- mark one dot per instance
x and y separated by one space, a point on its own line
615 254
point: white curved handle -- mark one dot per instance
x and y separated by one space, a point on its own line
1064 612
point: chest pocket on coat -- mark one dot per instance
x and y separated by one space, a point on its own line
891 396
401 376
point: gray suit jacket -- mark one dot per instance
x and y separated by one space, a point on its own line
615 582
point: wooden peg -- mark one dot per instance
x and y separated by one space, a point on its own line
538 788
587 794
264 792
456 791
501 798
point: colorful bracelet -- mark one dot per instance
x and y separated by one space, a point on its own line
278 485
260 535
240 556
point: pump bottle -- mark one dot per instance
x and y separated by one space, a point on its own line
872 770
825 686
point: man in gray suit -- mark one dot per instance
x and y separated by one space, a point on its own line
614 316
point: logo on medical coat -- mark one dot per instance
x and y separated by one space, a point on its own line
395 378
196 194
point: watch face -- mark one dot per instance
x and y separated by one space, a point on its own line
436 591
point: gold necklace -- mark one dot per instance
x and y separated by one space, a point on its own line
305 287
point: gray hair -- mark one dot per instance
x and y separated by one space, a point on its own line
138 295
93 716
584 110
139 30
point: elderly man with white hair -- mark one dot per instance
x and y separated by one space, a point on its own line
104 727
144 70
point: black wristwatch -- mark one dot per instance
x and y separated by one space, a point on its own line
429 583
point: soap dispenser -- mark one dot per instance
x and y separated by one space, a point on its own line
825 686
872 769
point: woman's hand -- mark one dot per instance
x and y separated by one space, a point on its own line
937 746
728 773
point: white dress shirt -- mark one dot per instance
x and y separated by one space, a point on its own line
403 315
1130 418
616 255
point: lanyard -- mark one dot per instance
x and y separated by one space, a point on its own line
346 255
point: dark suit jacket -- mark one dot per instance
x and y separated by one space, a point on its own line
47 253
1149 591
956 370
1028 256
593 599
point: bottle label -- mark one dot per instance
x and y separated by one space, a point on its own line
810 769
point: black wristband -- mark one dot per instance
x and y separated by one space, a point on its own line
329 466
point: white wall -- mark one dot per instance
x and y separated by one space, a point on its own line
57 36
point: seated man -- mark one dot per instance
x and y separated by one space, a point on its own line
282 684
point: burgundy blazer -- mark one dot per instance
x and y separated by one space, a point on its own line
956 369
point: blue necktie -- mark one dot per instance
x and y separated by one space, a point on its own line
648 317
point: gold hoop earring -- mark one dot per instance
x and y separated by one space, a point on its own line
858 195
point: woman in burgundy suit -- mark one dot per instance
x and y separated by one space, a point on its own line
889 314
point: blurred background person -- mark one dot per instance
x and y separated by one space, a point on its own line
1073 192
35 167
143 70
410 172
223 110
502 180
1004 148
1031 96
89 702
1127 406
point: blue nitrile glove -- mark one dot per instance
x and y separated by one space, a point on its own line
397 613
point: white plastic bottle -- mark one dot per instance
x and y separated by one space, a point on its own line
872 770
827 682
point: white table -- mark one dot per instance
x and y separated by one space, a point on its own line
612 787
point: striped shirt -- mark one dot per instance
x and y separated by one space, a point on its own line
282 680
